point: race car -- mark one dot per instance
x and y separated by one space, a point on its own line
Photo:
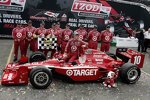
92 66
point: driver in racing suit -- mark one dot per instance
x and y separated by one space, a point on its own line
106 38
29 37
74 48
18 35
93 38
65 37
82 33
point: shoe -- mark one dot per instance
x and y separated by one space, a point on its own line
15 59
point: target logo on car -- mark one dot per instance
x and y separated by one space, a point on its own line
82 72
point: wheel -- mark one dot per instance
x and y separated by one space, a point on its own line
130 73
111 55
36 57
40 77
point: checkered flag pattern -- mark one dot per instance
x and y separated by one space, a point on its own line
47 43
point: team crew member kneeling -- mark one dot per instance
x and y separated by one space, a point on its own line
74 48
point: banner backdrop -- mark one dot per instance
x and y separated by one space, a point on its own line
74 12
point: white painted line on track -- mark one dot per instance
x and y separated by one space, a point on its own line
145 73
10 54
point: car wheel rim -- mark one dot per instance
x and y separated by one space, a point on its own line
41 78
132 74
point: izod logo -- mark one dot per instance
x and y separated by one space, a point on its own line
83 6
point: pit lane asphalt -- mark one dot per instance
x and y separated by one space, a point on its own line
60 90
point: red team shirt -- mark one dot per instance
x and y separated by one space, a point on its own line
66 35
82 34
29 32
106 36
41 32
18 34
74 46
93 36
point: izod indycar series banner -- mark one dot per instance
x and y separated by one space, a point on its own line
74 12
50 11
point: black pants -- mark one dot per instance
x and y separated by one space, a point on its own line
141 45
146 44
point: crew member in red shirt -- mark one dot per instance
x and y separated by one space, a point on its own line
29 37
82 33
65 37
106 38
57 33
50 34
74 48
18 35
93 38
40 32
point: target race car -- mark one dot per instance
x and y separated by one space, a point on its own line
94 65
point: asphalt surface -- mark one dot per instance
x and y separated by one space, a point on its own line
60 90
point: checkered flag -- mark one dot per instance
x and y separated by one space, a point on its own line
47 42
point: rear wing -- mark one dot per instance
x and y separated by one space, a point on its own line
128 55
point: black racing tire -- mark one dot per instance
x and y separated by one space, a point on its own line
37 56
112 55
130 73
40 77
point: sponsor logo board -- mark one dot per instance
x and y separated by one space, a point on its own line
12 5
90 9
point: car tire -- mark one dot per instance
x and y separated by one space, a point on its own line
37 56
112 55
129 73
40 77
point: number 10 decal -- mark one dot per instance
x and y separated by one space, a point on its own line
137 59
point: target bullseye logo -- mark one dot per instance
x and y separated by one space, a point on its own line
94 38
66 37
29 34
69 72
73 48
107 38
19 35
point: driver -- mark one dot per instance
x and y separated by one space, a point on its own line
74 48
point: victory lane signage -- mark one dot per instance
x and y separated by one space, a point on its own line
12 5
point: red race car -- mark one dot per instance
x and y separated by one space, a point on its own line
94 65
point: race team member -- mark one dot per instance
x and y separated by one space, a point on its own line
29 40
65 37
106 38
51 33
74 48
57 33
146 40
18 35
40 32
93 38
82 33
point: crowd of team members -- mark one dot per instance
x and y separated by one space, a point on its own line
70 43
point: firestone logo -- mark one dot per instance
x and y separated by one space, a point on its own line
83 6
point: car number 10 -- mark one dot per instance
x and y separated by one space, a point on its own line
137 59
